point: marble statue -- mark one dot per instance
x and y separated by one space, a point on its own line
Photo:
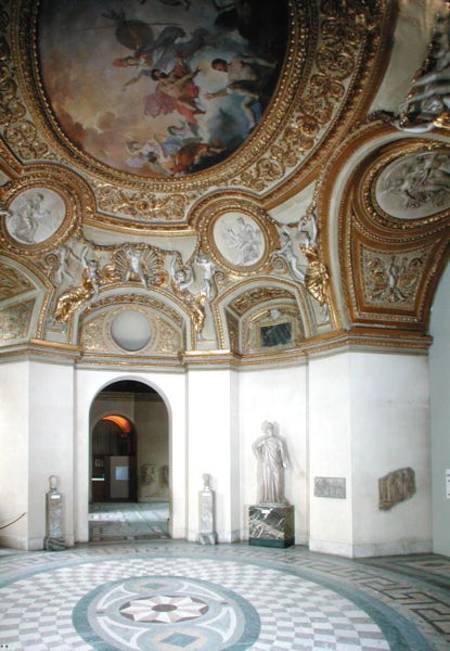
207 534
272 455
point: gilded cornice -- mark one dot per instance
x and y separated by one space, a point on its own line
333 66
381 255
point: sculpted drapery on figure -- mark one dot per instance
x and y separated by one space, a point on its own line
272 455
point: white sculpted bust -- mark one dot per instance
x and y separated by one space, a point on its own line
271 452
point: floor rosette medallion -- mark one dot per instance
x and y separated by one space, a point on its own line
157 612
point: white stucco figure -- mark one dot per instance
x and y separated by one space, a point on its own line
209 269
135 265
271 452
287 252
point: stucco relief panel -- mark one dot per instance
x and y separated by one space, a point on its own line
15 321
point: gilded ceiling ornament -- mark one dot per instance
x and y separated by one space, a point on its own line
141 206
392 279
273 328
162 174
96 334
12 282
235 232
42 208
300 252
256 295
127 263
15 321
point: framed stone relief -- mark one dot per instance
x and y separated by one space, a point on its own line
415 186
239 239
34 216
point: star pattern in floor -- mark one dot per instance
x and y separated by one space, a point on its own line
170 596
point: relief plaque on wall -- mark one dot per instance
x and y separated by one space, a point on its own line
330 487
396 487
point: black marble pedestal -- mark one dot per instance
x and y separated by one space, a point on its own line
271 525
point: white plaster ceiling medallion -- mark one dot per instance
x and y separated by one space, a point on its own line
239 239
131 330
415 186
35 215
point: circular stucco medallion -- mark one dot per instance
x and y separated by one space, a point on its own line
34 216
415 186
239 239
130 330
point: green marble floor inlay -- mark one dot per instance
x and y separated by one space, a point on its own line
169 595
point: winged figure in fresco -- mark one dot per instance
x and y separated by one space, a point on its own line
138 36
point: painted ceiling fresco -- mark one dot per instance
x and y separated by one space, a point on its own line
160 87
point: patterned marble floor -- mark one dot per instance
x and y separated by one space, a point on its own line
118 521
171 596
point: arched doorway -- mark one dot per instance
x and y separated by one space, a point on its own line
129 463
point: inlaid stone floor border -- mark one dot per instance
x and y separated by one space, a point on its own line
121 521
172 595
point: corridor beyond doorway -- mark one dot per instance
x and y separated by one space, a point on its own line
117 521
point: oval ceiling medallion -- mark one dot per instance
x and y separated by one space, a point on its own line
239 239
160 88
415 186
131 330
34 216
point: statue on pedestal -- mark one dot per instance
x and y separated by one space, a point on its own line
271 522
271 452
207 534
54 540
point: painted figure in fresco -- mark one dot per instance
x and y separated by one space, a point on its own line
246 77
156 48
175 91
271 452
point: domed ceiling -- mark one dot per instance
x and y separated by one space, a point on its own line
211 167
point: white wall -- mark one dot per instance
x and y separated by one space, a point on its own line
14 424
213 448
356 415
369 415
390 430
329 413
439 361
275 395
50 444
171 387
36 425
